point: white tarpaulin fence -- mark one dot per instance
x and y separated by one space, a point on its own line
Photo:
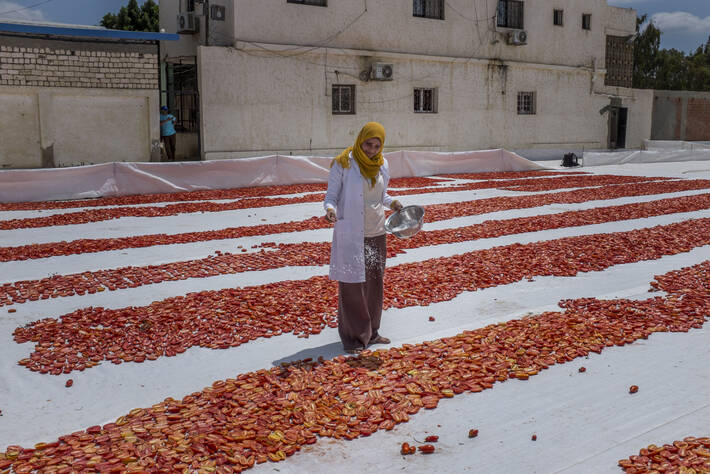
655 151
120 179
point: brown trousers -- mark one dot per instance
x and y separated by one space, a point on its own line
169 142
360 304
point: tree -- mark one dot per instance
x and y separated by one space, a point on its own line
668 69
133 17
646 46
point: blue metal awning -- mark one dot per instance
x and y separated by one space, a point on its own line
89 32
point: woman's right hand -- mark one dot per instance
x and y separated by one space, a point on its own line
330 215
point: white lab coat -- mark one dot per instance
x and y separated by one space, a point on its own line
345 195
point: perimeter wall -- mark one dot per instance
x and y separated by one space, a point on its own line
67 103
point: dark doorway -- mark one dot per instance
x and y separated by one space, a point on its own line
180 94
618 117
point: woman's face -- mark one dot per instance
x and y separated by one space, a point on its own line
371 146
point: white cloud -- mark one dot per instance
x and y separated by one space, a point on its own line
681 22
19 12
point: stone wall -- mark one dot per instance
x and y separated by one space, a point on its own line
51 63
681 115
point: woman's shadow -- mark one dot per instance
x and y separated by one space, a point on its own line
327 351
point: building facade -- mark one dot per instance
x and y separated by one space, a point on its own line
302 76
75 95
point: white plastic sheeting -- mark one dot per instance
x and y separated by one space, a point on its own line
656 151
673 145
120 179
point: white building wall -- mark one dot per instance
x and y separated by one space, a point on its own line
270 91
468 29
270 104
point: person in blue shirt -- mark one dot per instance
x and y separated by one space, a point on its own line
167 132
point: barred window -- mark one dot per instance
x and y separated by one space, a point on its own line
557 16
424 100
510 14
429 9
586 21
343 99
526 103
320 3
619 61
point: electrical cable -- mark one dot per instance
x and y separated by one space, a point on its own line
26 8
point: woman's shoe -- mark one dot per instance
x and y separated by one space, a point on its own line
354 351
380 340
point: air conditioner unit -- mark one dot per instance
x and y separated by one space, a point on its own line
187 23
518 37
381 72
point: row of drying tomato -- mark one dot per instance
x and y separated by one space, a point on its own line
434 213
255 191
272 413
308 254
201 195
96 215
691 455
231 317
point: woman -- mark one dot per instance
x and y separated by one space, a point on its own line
355 202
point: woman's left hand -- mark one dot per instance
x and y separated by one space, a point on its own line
396 205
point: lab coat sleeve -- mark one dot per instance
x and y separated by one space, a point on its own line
386 198
335 183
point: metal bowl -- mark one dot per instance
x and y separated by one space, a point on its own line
406 222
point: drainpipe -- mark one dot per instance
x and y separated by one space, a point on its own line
207 21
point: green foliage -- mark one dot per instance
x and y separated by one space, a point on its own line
133 17
668 69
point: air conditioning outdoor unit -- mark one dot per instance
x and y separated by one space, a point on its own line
381 72
518 37
187 23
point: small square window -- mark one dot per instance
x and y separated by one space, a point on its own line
587 21
526 103
557 17
424 100
319 3
510 14
343 99
429 9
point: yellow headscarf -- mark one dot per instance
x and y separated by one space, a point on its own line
369 167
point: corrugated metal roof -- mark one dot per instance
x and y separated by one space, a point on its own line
84 31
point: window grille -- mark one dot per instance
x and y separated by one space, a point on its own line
619 61
510 14
181 95
587 21
557 17
187 6
429 9
526 103
320 3
424 100
343 99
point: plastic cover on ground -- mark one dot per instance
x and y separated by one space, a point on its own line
655 151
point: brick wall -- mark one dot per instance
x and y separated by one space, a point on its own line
697 126
53 63
681 115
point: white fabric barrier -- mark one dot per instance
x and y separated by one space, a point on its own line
120 179
636 156
673 145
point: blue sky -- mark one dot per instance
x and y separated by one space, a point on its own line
685 23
